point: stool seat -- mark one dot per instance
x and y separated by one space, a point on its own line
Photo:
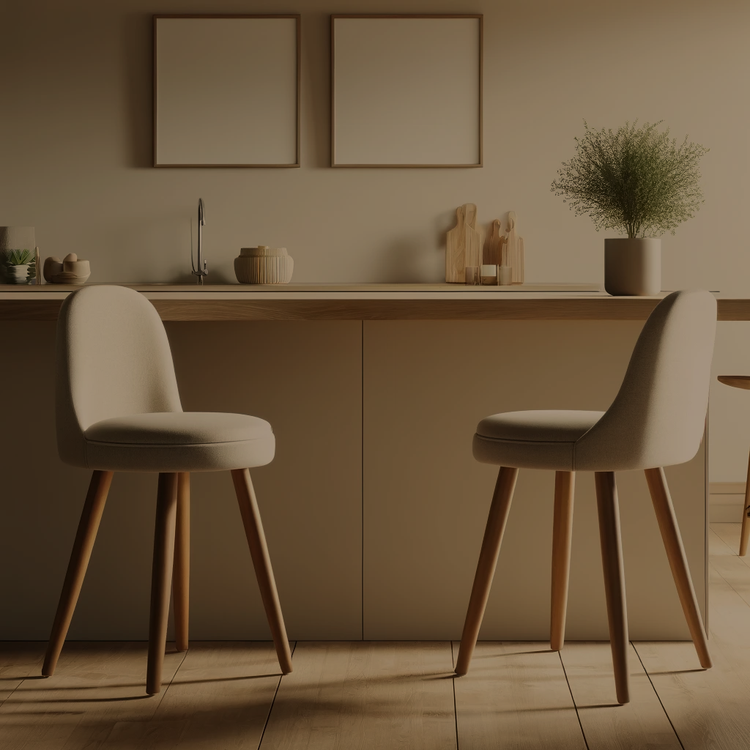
533 439
179 441
736 381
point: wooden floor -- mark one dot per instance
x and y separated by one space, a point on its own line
394 695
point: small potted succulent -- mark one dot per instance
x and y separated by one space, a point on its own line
19 266
638 181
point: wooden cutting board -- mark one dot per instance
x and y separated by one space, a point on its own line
463 245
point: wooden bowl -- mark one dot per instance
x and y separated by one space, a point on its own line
70 270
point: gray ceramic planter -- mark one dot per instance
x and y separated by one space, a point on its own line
632 267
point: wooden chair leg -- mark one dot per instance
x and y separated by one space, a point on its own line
79 561
562 536
161 579
256 540
745 533
670 534
614 579
493 537
181 576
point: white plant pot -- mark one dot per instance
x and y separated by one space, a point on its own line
18 274
632 267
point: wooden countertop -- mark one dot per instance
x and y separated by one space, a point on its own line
238 302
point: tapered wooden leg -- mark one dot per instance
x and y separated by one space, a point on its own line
562 536
670 534
745 533
614 579
256 540
493 537
161 579
181 577
79 561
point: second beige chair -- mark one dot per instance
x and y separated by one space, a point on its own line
656 420
118 409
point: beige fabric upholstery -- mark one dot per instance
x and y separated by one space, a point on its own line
657 418
118 407
180 441
533 439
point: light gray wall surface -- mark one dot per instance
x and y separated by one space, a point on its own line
76 147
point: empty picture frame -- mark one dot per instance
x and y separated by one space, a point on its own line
226 90
406 90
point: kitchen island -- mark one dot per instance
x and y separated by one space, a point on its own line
236 302
374 507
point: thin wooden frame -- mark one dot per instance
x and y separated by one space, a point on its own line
213 96
397 78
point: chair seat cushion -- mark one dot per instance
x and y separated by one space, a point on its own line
533 439
179 441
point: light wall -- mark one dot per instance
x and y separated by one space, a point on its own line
76 152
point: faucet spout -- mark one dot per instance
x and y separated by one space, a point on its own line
202 269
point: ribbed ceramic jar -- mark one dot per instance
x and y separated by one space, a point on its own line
263 265
632 266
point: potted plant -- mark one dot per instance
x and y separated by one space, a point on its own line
638 181
20 266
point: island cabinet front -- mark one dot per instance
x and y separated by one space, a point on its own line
374 507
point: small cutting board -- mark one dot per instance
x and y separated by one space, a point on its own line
463 245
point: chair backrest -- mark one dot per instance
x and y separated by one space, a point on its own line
658 416
113 359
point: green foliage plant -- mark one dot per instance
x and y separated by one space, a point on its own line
635 180
19 257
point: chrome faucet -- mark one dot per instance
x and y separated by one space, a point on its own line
202 265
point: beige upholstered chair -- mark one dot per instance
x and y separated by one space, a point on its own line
657 419
118 409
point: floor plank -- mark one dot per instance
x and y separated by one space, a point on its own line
717 544
365 695
96 685
729 533
642 723
515 696
220 697
17 662
708 708
734 572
